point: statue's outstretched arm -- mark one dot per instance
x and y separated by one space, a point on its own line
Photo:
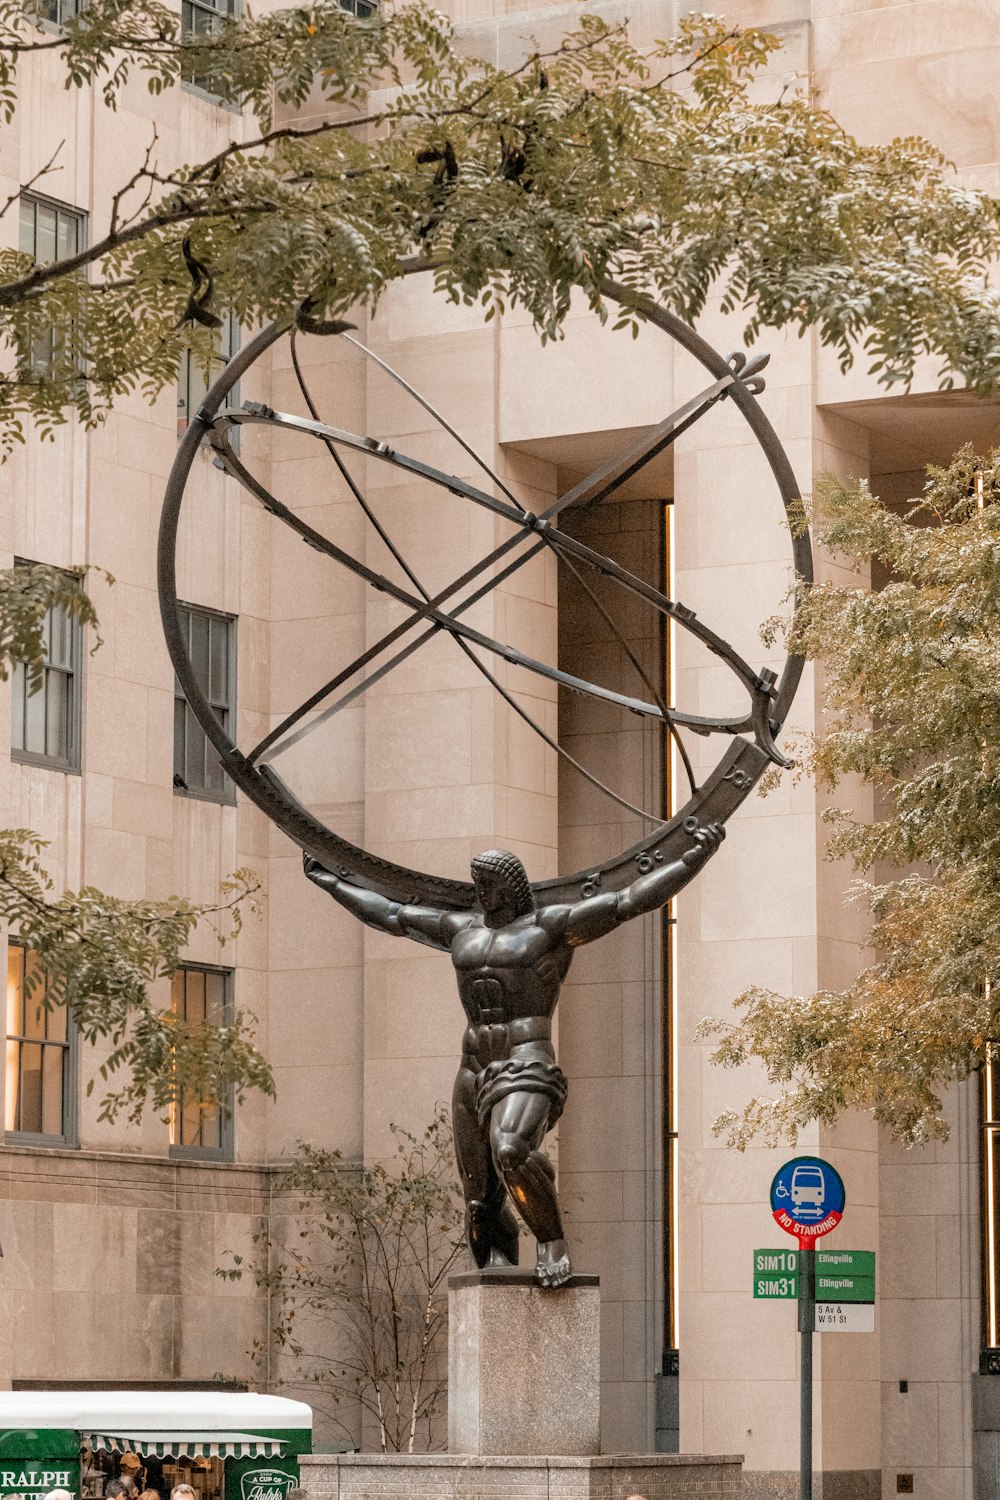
425 924
601 914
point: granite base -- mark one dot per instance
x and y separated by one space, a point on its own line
524 1364
451 1476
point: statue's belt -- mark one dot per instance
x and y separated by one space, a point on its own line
491 1030
520 1075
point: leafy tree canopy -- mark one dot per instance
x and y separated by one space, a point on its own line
662 167
911 673
669 169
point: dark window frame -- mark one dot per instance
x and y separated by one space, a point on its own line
228 10
65 10
70 1098
73 673
30 364
225 793
225 1151
232 341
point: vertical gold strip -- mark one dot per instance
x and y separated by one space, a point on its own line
671 996
990 1236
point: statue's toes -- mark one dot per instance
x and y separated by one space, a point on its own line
560 1272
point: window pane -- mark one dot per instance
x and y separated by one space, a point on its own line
184 391
34 722
68 235
198 648
210 1130
17 693
197 995
26 236
56 1022
37 1070
194 997
190 1123
15 981
60 639
209 640
34 1016
57 715
53 1062
180 721
45 233
215 998
218 688
195 746
45 723
202 21
30 1111
214 778
11 1075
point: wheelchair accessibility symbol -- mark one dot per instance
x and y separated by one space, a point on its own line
807 1198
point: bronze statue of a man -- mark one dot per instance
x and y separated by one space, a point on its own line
511 958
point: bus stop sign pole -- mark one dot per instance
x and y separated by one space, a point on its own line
807 1201
807 1324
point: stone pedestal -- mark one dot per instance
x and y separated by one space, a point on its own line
454 1476
524 1365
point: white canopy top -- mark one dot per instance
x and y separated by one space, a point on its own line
152 1411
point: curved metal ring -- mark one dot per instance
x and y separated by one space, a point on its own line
715 801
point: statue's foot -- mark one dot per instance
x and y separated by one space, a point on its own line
553 1267
497 1258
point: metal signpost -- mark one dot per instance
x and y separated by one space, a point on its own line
807 1201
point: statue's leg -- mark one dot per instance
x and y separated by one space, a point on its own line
517 1129
490 1228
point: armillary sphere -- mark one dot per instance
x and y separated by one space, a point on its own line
749 737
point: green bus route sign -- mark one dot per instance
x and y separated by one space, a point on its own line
841 1275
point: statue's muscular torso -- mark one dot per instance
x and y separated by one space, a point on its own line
508 981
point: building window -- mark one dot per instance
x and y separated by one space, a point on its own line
45 715
195 376
38 1084
58 12
211 646
360 8
198 1127
48 232
200 18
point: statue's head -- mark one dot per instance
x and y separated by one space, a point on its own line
502 886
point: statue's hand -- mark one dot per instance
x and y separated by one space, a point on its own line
706 841
312 866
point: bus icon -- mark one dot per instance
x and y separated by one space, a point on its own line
808 1191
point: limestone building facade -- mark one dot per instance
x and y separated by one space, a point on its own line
111 1234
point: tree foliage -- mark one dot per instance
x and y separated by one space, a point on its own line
672 169
27 593
911 674
97 955
668 168
360 1268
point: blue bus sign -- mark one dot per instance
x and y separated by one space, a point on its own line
807 1198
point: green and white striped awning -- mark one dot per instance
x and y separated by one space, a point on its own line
193 1444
